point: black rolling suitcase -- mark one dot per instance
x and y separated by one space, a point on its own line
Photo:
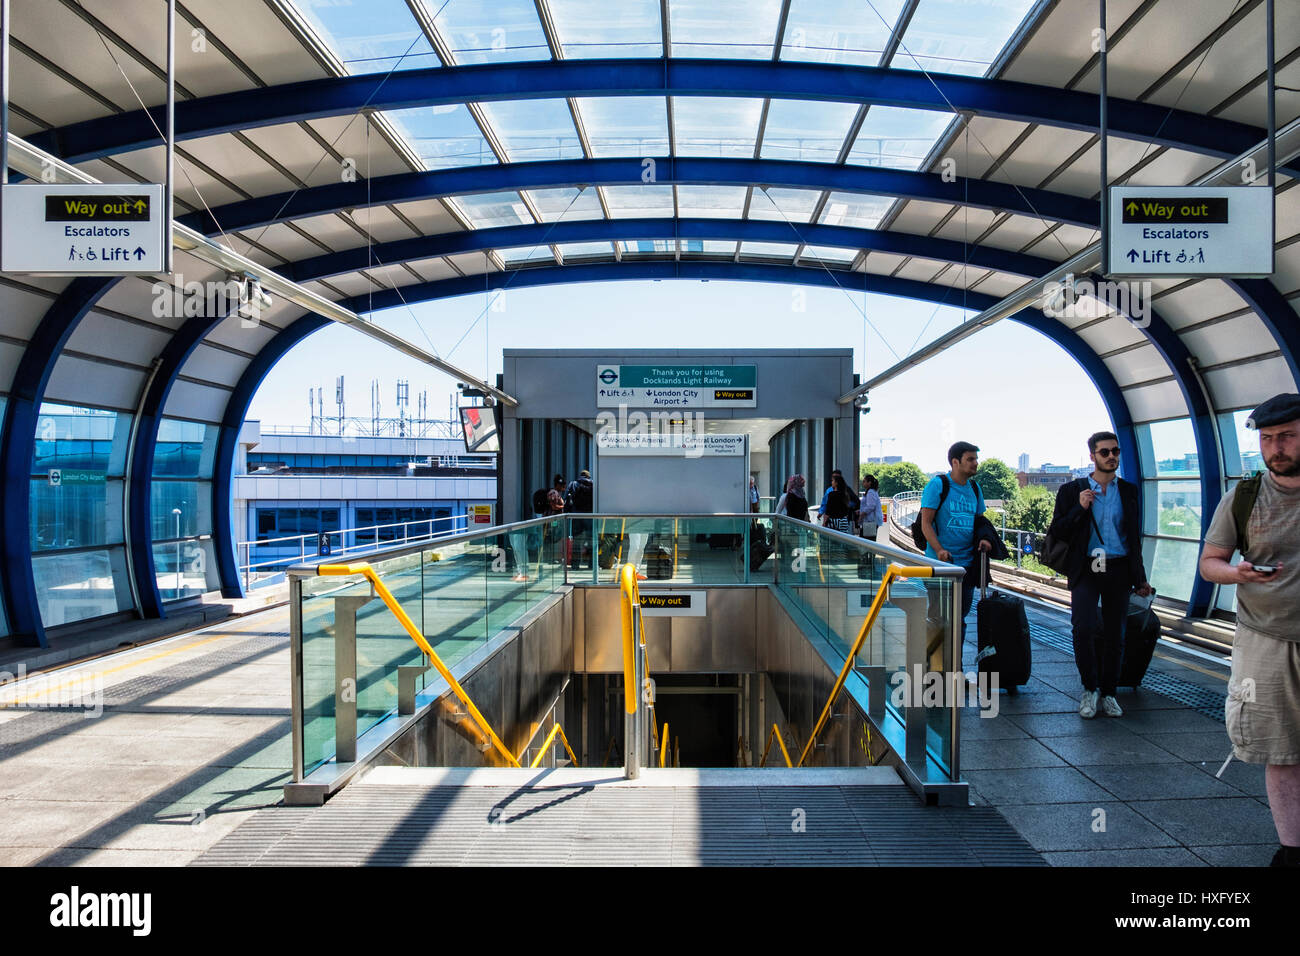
1141 632
610 547
759 547
1003 631
658 564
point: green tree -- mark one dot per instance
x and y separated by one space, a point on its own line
996 480
895 478
1030 508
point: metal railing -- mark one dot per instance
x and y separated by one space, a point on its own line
1020 542
300 547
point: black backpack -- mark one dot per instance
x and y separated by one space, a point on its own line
1243 503
918 536
540 502
578 497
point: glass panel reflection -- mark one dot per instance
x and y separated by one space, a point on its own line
82 585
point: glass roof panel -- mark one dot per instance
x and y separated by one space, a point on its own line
723 28
374 37
636 202
500 32
485 210
444 136
576 250
716 247
899 138
793 205
829 253
525 254
855 209
534 130
566 203
625 125
710 202
805 130
839 31
945 37
584 28
649 246
716 125
781 250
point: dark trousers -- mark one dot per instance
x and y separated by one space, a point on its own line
1099 657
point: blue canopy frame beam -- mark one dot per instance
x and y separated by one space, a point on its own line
335 96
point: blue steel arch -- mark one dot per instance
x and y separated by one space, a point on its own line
18 446
610 230
334 96
668 171
242 396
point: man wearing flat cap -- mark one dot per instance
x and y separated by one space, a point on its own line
1260 517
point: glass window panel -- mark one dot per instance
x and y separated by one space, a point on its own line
716 125
83 439
75 587
485 210
829 253
526 254
716 247
946 36
625 125
635 202
185 569
75 515
711 201
1174 568
839 31
648 246
784 205
585 29
566 204
576 250
806 130
184 449
502 31
534 130
1173 507
723 28
1241 455
179 509
1168 448
781 250
444 136
853 209
371 37
898 138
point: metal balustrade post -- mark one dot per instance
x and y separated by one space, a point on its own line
345 675
633 732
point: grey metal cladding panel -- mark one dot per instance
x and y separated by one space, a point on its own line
1235 338
577 603
603 633
10 356
79 382
214 365
21 310
658 643
1243 386
199 402
789 386
724 641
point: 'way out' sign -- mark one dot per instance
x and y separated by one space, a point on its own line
82 229
1190 231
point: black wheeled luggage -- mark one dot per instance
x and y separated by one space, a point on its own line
658 564
1003 635
1141 632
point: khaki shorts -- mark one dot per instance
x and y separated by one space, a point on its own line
1263 707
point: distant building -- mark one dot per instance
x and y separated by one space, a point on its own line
1051 480
887 460
1023 463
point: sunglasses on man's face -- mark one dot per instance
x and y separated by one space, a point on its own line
1108 452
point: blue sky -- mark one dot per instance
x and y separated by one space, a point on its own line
1008 389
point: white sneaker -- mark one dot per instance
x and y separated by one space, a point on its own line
1088 704
1110 707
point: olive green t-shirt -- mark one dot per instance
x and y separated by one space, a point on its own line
1271 608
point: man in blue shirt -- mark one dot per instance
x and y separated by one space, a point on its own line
950 530
1100 517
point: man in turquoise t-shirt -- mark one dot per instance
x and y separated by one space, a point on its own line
950 530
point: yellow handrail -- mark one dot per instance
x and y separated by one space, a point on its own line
631 599
776 732
882 595
663 751
546 745
408 625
